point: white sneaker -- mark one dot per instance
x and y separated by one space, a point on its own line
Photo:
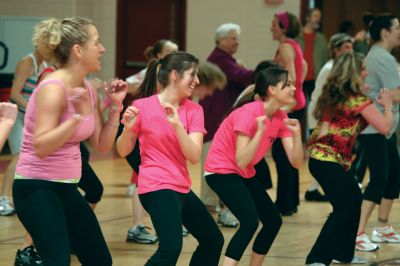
356 260
6 208
363 243
316 264
385 235
131 190
226 219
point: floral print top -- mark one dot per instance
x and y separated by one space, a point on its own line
337 144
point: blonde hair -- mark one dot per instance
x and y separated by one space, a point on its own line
54 38
343 81
211 75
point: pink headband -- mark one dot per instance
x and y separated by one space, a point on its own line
283 19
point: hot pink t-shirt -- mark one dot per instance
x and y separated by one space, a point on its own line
221 156
64 163
163 165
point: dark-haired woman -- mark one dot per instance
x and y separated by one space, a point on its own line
381 149
342 112
170 129
285 27
241 142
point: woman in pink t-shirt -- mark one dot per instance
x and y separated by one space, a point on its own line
170 129
241 142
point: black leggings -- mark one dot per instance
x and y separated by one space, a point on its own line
337 238
89 182
247 199
58 217
168 210
384 167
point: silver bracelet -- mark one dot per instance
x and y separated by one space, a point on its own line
114 108
77 117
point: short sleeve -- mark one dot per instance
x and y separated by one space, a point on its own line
360 103
244 122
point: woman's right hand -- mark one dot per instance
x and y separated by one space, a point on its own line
130 116
76 96
385 98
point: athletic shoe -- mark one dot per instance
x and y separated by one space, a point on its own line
139 234
316 264
131 190
226 219
6 208
185 232
356 260
385 235
27 257
363 243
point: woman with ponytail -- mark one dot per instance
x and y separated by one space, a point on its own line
241 142
170 129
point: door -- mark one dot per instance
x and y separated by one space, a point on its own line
140 24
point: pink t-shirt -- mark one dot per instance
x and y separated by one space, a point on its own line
221 156
163 165
64 163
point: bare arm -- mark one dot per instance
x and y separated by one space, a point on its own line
23 71
49 134
8 115
382 123
190 144
287 58
293 145
126 141
246 147
104 133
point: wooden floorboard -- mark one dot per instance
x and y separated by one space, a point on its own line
294 241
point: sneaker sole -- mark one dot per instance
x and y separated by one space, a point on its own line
228 225
140 241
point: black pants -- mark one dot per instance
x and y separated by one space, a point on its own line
89 182
132 158
360 164
247 199
337 238
263 174
384 167
58 217
168 211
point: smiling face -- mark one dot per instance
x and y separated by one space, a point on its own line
92 50
187 82
284 94
230 43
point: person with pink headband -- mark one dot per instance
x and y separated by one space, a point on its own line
285 27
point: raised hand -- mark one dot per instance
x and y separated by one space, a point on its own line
130 116
8 113
116 91
172 114
385 98
293 125
77 95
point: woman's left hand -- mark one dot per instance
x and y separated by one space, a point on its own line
172 114
293 125
116 91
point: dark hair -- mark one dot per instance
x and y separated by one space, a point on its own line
265 78
347 26
378 23
293 29
310 11
159 70
152 51
342 82
261 66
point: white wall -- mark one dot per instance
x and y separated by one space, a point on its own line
203 17
253 16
